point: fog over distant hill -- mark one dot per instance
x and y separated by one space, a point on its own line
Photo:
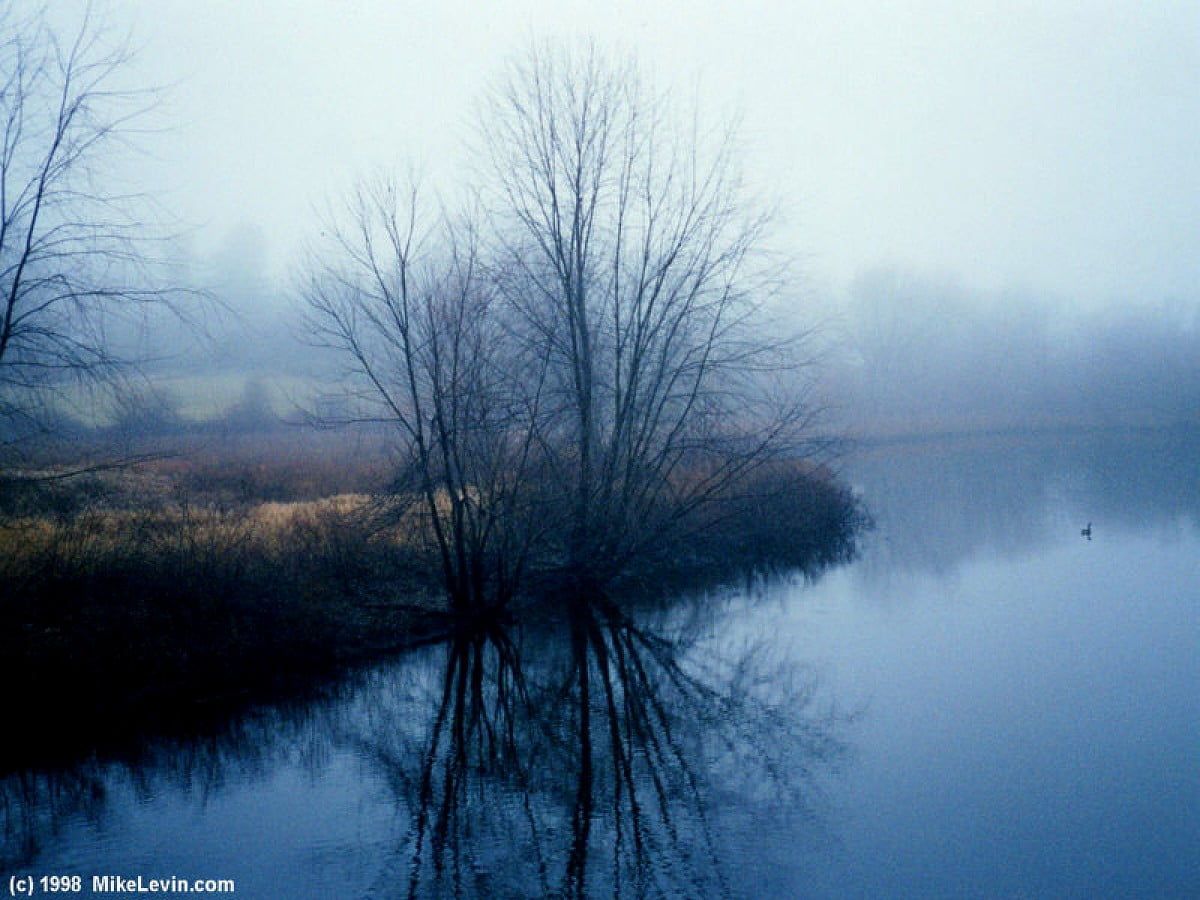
914 353
901 353
978 147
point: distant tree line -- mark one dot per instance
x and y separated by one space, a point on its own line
918 354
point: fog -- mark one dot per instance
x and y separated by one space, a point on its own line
1050 145
992 207
913 353
899 353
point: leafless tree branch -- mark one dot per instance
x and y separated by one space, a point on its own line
583 360
75 251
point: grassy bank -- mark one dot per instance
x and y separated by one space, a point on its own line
131 596
138 596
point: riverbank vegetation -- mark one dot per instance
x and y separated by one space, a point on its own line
132 591
139 595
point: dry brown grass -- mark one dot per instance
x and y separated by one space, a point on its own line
189 577
124 591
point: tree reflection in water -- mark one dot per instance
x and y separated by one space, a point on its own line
199 761
595 753
592 750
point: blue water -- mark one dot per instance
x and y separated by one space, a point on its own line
985 703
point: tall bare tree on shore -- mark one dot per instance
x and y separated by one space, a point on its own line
582 363
73 247
628 248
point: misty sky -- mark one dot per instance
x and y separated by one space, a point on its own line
1047 146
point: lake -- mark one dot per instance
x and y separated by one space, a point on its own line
986 702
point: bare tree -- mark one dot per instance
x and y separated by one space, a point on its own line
579 365
72 247
402 293
628 249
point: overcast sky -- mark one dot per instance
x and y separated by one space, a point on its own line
1051 146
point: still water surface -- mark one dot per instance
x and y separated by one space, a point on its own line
985 703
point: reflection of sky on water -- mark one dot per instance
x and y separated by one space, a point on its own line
1019 712
938 504
1033 698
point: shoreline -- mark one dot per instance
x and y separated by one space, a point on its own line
132 603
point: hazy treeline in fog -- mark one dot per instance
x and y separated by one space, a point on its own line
913 354
907 353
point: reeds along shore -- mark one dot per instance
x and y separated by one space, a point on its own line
143 592
125 594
